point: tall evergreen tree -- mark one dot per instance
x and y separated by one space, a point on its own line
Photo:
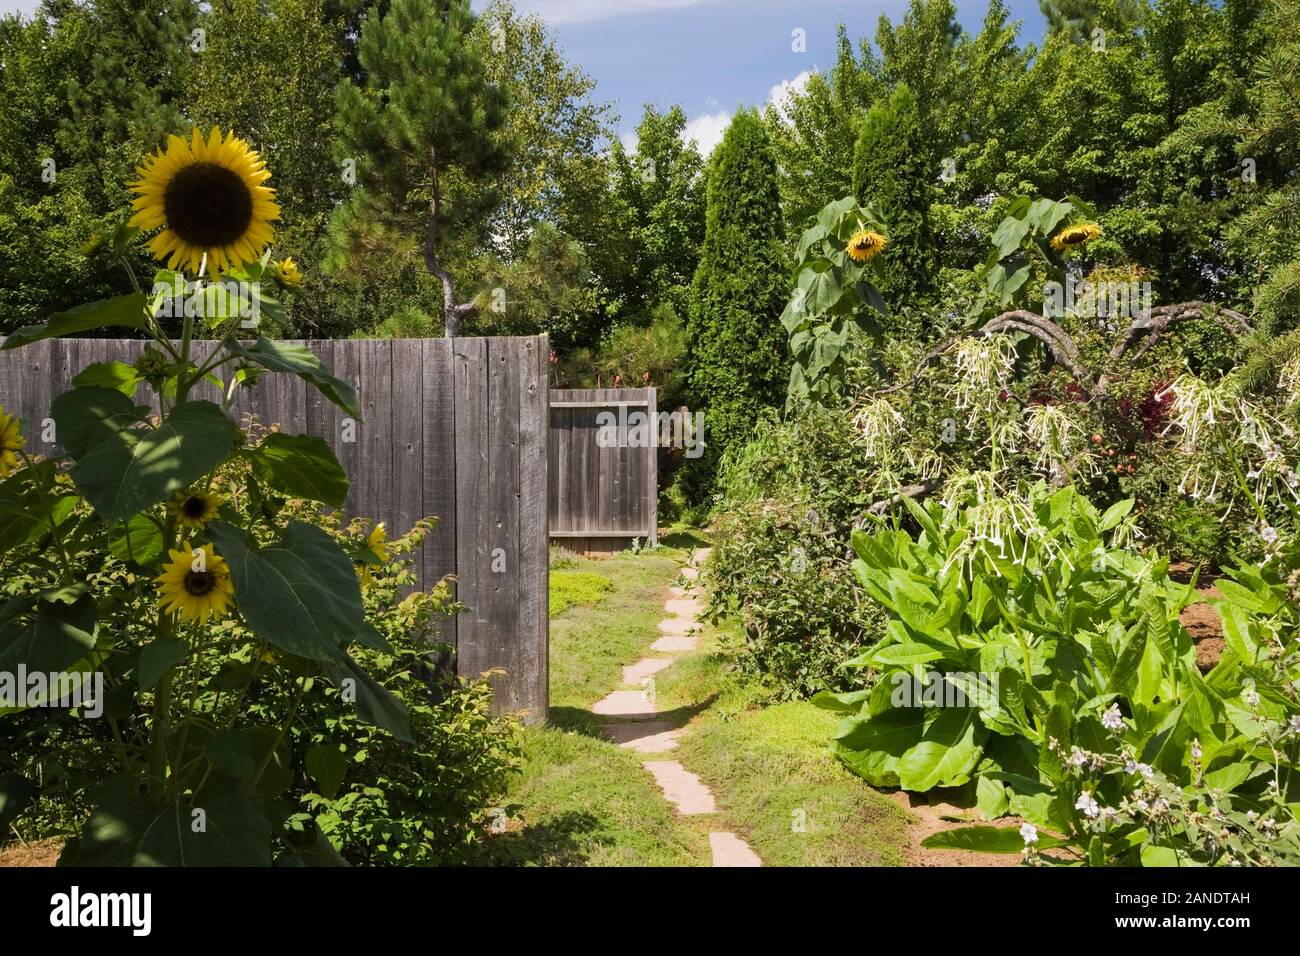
422 123
889 170
737 342
657 221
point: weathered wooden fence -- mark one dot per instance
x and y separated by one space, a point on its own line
603 492
453 428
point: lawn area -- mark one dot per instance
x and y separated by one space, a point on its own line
581 800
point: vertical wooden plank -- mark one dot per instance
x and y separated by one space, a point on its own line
504 580
438 437
472 505
373 491
404 498
652 467
532 676
346 367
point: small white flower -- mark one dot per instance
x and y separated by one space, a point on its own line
1077 757
1087 805
1112 719
1269 534
1294 723
1196 748
1142 805
1251 697
1029 833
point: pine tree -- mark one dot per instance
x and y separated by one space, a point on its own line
737 342
421 123
891 171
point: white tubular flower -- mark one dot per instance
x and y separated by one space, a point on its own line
1112 719
1088 805
984 365
1056 436
1029 833
880 426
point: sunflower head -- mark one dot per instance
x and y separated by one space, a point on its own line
209 198
11 443
1076 235
195 584
287 274
865 244
194 509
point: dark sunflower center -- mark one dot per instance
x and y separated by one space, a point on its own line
1076 235
208 205
195 508
199 583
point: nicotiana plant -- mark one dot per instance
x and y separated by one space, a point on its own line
1103 735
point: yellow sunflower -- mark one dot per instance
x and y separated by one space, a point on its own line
195 595
287 274
377 542
209 198
11 443
194 509
865 244
1076 235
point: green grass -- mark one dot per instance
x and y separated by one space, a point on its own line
590 645
582 801
577 587
775 781
587 802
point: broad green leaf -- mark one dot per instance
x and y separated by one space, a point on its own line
115 375
125 830
89 414
138 539
871 747
301 466
157 658
375 704
231 752
300 594
125 472
905 655
987 840
327 766
1115 514
301 361
947 753
991 798
126 311
48 634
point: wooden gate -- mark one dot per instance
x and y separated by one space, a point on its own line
604 473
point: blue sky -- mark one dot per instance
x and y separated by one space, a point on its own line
710 56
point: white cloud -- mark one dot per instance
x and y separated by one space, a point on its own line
706 130
779 95
584 11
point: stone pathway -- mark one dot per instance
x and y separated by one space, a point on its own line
631 720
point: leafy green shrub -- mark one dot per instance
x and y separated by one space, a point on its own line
1066 691
788 502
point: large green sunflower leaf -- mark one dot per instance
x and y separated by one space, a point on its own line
126 311
301 361
123 472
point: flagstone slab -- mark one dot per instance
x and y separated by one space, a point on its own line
644 669
730 850
681 788
644 736
676 625
624 703
690 574
685 607
675 643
